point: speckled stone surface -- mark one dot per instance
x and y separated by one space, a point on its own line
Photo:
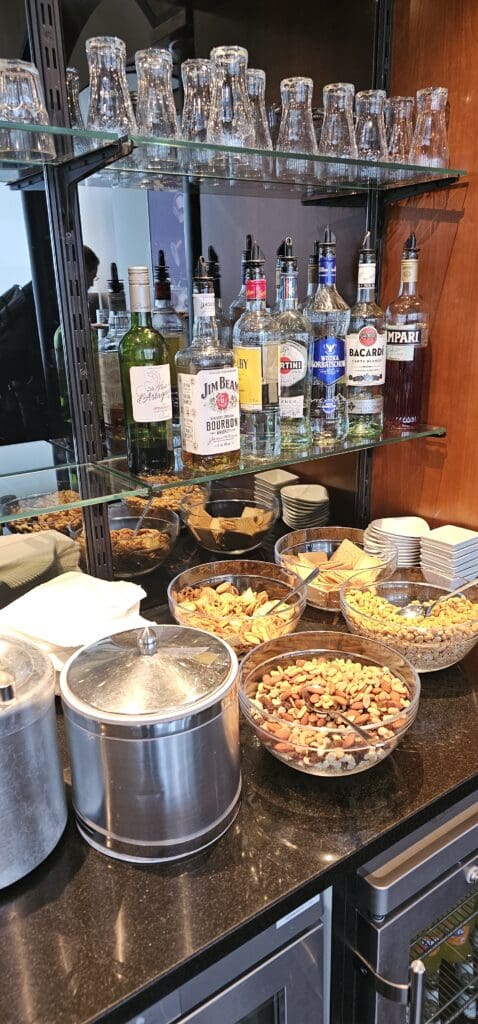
84 934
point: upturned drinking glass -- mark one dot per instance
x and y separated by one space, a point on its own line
155 111
256 91
337 137
196 76
76 118
296 132
430 143
21 101
370 130
400 134
110 107
230 122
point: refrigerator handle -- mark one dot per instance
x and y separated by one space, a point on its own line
417 979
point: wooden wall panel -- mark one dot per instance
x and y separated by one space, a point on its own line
436 43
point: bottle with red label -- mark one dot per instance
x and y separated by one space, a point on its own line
365 353
406 324
296 354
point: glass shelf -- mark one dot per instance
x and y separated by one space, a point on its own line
39 492
119 465
172 163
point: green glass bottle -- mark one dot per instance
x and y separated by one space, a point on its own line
146 384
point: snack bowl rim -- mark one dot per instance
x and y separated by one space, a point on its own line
408 624
218 574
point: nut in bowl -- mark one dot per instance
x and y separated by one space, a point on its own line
165 497
339 552
233 523
242 602
328 704
431 643
140 553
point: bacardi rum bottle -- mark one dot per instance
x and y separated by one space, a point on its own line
208 388
406 323
365 352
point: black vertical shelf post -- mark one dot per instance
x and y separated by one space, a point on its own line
46 45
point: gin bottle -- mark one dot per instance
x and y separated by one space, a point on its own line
171 327
365 352
256 351
296 353
238 304
214 271
208 388
406 325
146 384
329 316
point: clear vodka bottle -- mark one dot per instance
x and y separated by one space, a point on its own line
329 316
256 353
366 352
296 351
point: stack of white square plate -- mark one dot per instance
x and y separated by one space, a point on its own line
269 485
449 556
305 505
404 531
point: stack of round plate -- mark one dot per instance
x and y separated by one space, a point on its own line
404 531
305 505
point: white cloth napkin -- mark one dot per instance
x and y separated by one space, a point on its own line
25 557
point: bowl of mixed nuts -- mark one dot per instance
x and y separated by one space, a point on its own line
328 703
242 602
430 642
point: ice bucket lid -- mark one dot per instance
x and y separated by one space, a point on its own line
153 673
27 683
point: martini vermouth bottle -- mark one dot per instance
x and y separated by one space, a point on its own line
296 351
329 316
146 383
365 352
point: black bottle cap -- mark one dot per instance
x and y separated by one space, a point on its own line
410 250
367 252
161 270
114 284
327 246
289 261
214 270
255 263
202 278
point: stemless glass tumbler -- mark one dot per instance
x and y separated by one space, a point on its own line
296 132
230 121
256 91
370 130
196 76
21 101
337 136
430 143
400 130
110 107
155 111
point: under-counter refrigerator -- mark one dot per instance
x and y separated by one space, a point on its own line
405 946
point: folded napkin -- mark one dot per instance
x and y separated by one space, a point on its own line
26 557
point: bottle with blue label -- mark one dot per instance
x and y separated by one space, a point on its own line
329 316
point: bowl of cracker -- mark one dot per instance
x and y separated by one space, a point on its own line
242 602
232 523
340 553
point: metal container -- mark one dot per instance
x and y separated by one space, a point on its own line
32 795
152 721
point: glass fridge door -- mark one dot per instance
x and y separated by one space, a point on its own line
448 950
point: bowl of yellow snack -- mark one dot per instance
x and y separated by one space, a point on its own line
328 703
242 602
339 552
430 642
232 523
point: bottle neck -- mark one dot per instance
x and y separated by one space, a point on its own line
409 277
289 291
205 334
142 319
366 282
162 294
327 270
312 279
256 294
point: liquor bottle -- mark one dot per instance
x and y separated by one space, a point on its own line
238 304
109 365
256 350
116 294
312 277
329 316
223 324
208 388
171 327
146 383
406 325
365 352
456 953
296 352
280 253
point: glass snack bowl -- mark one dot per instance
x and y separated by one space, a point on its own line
232 523
319 668
323 593
165 497
137 556
242 622
430 644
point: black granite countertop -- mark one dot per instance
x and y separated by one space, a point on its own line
83 936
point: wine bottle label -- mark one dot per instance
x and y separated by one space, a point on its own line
151 393
365 406
256 290
366 275
329 359
409 272
293 364
110 377
402 342
259 374
209 407
204 304
327 270
366 357
291 407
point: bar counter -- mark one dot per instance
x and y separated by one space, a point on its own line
85 938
